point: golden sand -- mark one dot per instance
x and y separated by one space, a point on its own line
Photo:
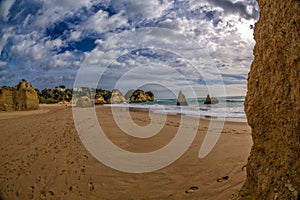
42 157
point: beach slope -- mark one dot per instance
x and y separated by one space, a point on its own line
42 157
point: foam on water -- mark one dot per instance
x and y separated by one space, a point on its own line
230 108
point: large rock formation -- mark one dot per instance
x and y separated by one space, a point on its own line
181 100
211 100
273 104
20 97
60 95
149 95
84 101
100 100
7 96
102 96
116 97
138 96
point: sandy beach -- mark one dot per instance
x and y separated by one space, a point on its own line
42 157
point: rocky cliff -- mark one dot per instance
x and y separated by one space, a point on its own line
137 96
149 95
20 97
273 104
102 96
116 97
84 101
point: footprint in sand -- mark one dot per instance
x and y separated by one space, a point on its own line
224 178
191 189
51 192
91 185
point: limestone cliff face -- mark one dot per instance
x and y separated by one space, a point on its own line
149 95
137 96
116 97
181 100
102 96
84 101
26 97
6 99
20 97
273 104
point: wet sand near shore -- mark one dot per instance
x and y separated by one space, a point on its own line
42 157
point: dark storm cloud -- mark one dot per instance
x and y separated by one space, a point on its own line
237 8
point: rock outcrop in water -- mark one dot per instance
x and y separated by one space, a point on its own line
149 95
20 97
211 100
138 96
272 104
181 100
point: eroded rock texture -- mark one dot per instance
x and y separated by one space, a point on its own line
20 97
137 96
116 97
181 100
273 104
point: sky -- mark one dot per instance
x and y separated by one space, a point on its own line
203 45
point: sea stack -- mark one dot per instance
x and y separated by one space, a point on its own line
138 96
272 104
211 100
181 100
20 97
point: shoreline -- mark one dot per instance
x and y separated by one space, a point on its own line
43 157
145 109
45 108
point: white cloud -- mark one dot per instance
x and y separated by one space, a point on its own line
3 41
29 46
75 35
54 44
63 61
199 32
236 8
37 52
101 22
148 9
2 63
56 10
5 6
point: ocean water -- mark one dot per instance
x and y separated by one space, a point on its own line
229 108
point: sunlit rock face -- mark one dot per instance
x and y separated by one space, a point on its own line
181 100
20 97
273 104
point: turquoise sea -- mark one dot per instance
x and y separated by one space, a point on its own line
230 108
